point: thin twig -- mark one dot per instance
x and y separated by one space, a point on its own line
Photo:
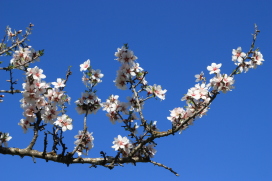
168 168
11 91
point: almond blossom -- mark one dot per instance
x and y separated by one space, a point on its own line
64 122
50 113
85 142
125 55
157 91
133 103
59 83
4 138
25 124
120 83
129 70
36 73
88 101
23 56
122 144
176 114
85 65
257 59
214 68
222 83
200 77
238 55
96 76
113 106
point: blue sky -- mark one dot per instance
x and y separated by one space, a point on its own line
174 40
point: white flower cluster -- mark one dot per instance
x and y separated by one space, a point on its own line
90 77
89 100
222 83
129 69
179 115
113 106
23 56
85 142
39 97
198 97
239 58
133 103
198 92
4 138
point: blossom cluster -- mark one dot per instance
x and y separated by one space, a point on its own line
198 98
84 141
222 83
129 69
113 106
23 56
240 57
90 77
89 101
40 99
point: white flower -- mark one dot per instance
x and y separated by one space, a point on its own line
200 77
36 73
176 113
125 55
50 113
64 122
59 83
203 90
4 138
85 144
85 65
9 33
214 68
89 101
25 124
96 76
21 57
157 91
194 93
121 83
122 143
222 83
257 59
238 54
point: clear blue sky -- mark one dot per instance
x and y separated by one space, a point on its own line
174 40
